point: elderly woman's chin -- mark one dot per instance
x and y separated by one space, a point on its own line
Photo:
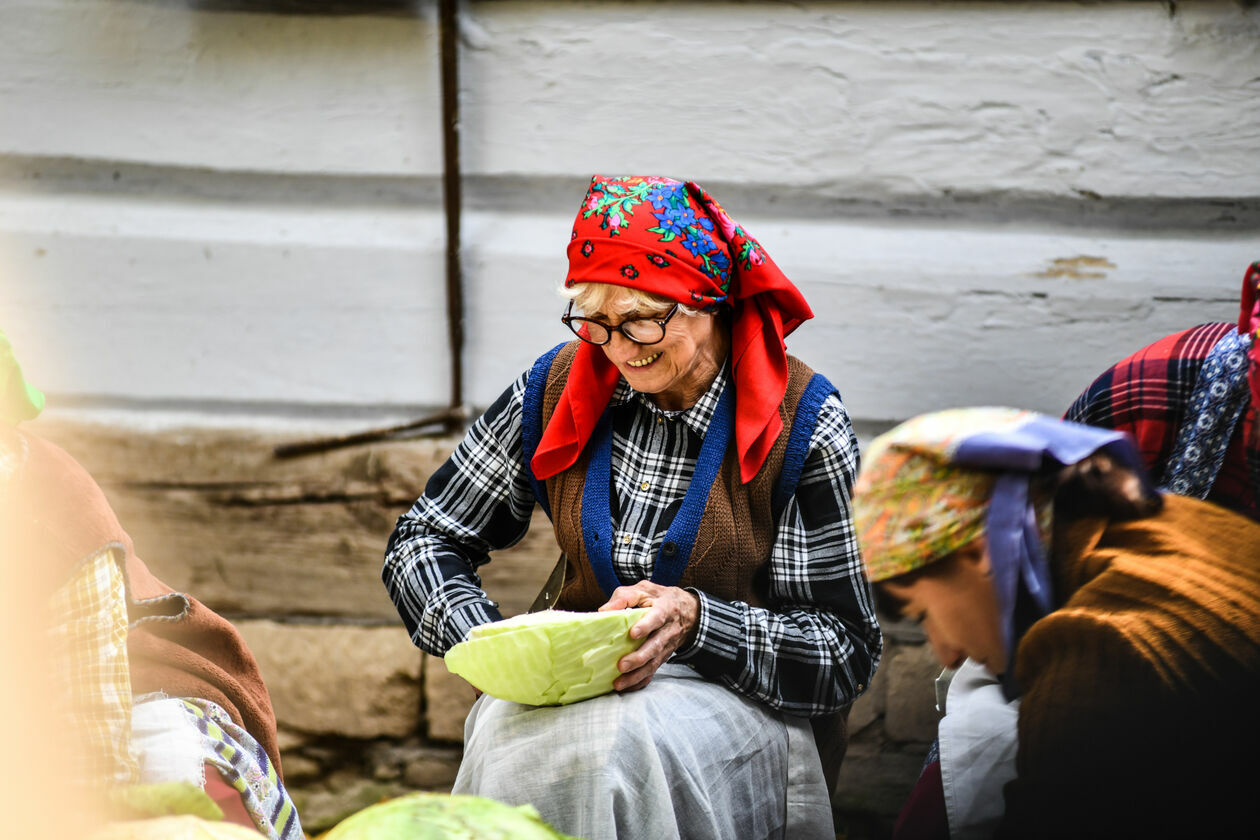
653 369
678 370
651 380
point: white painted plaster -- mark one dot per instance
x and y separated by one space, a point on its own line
348 309
848 98
1117 98
154 300
162 83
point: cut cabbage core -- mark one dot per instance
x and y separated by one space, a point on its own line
547 658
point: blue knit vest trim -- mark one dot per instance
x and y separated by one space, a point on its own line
679 540
803 425
532 420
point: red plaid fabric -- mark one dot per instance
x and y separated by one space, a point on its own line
1146 395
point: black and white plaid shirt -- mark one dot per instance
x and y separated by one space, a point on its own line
813 648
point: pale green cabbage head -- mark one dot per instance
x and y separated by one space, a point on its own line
547 658
441 816
181 827
159 799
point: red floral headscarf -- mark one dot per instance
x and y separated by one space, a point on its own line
1249 324
672 239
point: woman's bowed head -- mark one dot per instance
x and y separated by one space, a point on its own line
1125 622
955 513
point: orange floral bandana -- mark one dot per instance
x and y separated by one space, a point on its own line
911 506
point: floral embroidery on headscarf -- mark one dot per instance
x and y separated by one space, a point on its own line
918 510
911 505
615 201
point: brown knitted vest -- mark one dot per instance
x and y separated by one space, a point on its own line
736 531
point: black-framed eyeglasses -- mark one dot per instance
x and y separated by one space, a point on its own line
639 330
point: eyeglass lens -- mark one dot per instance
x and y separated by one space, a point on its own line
644 330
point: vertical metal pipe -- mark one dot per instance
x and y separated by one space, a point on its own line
451 192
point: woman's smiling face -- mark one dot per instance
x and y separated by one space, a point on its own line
677 370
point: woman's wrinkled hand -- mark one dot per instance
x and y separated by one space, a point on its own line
669 625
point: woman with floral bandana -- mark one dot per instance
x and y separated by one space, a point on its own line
689 465
1190 401
1122 625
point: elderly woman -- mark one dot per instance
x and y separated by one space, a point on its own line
1127 624
690 466
1190 402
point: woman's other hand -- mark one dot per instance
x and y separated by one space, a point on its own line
669 625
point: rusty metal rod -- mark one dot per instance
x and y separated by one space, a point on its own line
451 192
457 414
445 418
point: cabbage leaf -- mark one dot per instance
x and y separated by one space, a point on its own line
547 658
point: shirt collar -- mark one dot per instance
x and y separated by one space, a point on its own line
697 418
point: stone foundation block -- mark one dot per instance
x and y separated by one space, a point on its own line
356 682
910 714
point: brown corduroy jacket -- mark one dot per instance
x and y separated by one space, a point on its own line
1138 714
56 515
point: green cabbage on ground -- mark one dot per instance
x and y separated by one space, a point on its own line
440 816
183 827
160 799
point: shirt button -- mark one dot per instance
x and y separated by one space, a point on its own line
645 485
626 539
861 687
660 419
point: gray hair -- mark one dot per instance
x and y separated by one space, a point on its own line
610 298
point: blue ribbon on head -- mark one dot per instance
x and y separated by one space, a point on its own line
1016 554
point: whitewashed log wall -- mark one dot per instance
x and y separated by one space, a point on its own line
232 208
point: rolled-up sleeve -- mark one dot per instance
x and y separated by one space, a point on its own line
480 500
